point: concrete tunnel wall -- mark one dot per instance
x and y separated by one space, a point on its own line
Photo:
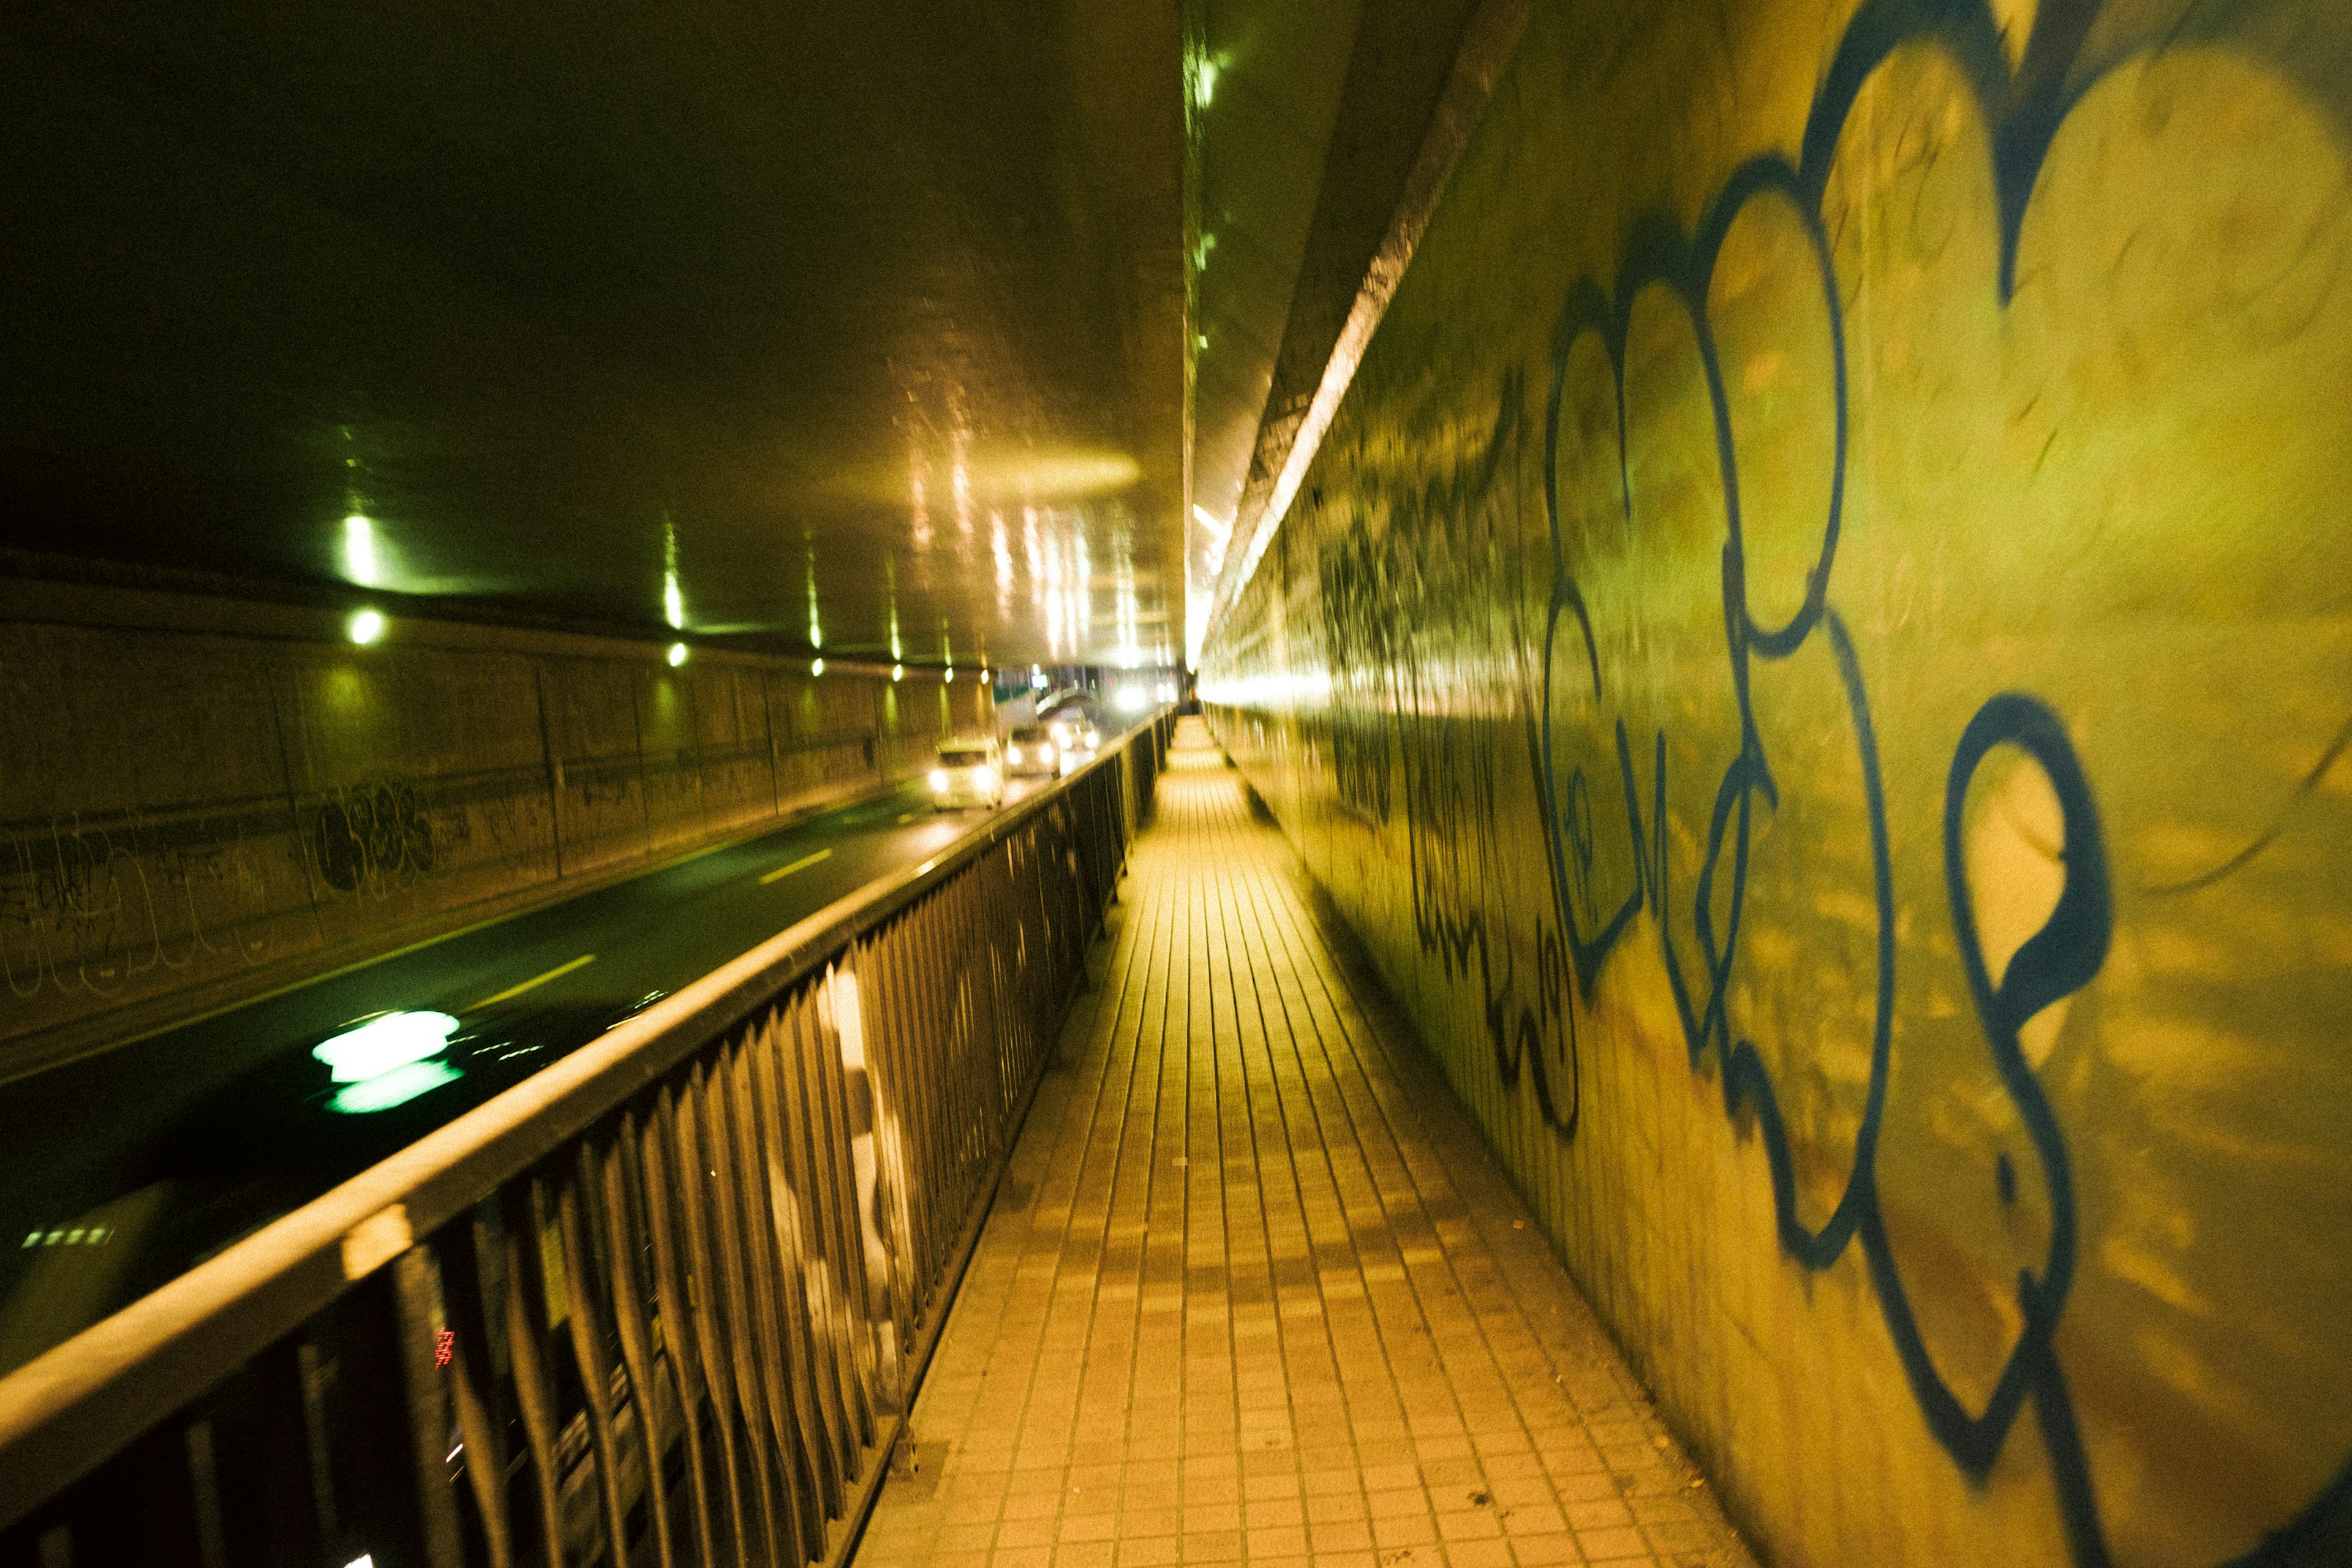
1815 654
198 801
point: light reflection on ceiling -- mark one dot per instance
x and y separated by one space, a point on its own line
687 317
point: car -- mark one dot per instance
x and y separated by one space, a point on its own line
970 771
1032 750
1075 733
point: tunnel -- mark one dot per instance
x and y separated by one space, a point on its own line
1088 783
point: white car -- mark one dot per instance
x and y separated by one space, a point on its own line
1077 736
1031 748
970 771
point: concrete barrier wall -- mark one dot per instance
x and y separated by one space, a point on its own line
1817 654
198 800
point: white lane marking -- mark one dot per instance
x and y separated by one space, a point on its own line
802 864
533 984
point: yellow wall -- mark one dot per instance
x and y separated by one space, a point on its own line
1816 654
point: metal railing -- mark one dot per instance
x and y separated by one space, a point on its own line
663 1303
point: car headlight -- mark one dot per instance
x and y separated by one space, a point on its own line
988 777
939 778
1012 754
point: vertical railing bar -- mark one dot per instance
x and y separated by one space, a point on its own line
681 1334
980 952
428 1409
909 1062
823 1144
893 1164
821 1228
588 1349
822 1074
951 1089
526 1314
469 1383
751 1236
203 1483
622 1252
717 1311
807 1353
310 1366
748 1326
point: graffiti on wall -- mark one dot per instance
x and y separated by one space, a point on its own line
97 909
1427 646
2024 109
369 838
1438 572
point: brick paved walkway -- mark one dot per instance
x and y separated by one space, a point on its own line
1253 1290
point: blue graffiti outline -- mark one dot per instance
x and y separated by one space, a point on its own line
2025 111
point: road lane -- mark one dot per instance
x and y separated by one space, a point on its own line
127 1167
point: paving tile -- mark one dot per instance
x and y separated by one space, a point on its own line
1269 1297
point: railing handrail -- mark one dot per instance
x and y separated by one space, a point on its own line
71 1408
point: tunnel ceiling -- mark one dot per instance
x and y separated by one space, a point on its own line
1310 117
853 316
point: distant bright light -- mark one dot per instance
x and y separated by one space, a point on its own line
983 677
366 1561
673 601
1131 698
677 654
384 1043
1037 679
366 626
897 672
948 678
939 778
816 667
358 549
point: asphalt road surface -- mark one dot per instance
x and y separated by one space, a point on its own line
124 1169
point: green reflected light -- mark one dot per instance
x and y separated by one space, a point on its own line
673 598
359 550
398 1086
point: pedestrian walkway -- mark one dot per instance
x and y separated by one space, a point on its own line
1252 1289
